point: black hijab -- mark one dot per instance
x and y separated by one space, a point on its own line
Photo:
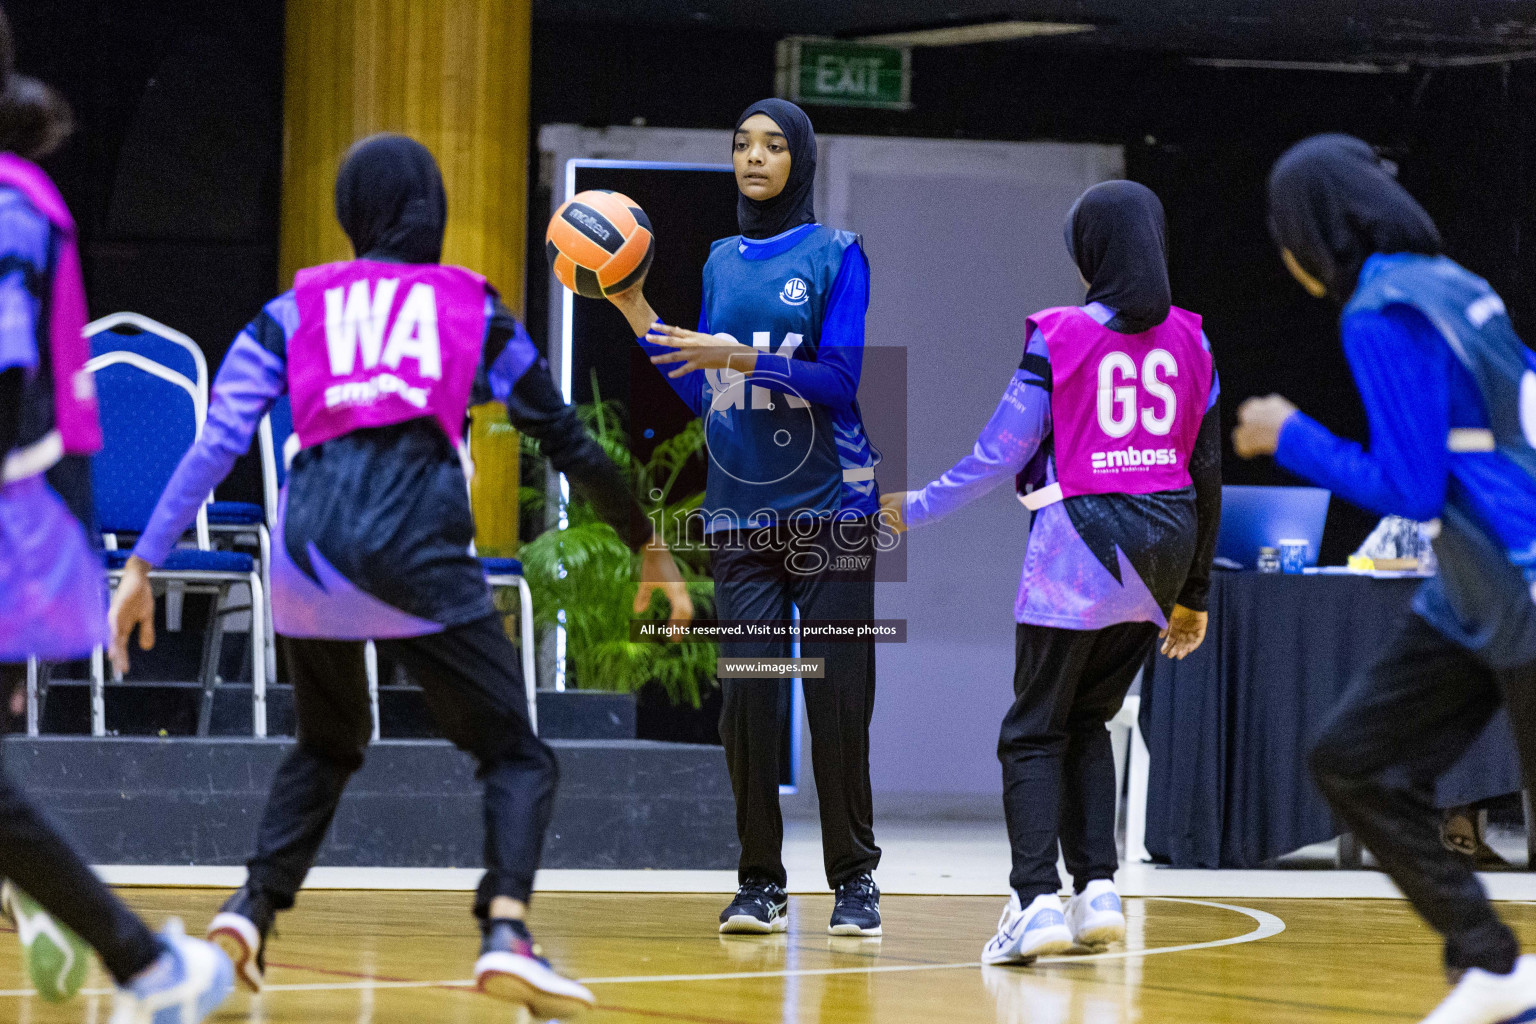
1115 233
390 200
1333 204
764 218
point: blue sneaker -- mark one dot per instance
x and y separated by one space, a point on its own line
1024 933
760 908
184 986
857 909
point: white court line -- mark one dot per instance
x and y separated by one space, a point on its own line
1267 925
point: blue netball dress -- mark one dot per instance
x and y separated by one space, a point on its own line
787 439
1437 452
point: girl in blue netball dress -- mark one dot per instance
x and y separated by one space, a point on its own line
789 508
381 356
1450 394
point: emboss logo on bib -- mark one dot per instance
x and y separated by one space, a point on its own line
357 323
795 292
1134 458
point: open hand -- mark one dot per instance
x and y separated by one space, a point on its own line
658 572
1259 421
893 511
1184 633
132 605
700 351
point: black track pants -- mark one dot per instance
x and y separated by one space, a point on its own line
472 681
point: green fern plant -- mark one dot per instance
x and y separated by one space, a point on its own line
587 572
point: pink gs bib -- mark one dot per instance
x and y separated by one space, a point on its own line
1125 408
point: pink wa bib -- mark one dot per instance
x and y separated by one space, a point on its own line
382 343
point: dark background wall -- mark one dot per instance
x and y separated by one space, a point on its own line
173 173
1202 137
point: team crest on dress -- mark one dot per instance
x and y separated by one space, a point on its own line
795 292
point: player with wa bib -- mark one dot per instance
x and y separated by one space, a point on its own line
1111 428
381 356
789 506
1450 395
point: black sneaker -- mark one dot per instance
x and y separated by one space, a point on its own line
240 929
758 909
857 911
512 968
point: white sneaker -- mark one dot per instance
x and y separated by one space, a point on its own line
1024 933
1095 915
1484 998
184 986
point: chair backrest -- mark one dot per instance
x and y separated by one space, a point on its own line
276 430
130 332
150 416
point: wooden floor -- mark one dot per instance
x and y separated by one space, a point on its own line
391 957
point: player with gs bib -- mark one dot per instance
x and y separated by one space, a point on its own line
1111 427
790 502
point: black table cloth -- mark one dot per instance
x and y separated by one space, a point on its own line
1229 728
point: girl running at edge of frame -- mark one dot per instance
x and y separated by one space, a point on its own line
381 356
53 588
791 488
1112 427
1450 396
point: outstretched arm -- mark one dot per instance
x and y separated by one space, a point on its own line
1013 435
1401 368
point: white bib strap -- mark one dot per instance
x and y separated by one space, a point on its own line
1470 439
859 475
1041 497
35 458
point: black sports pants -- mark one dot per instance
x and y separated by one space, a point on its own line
1401 723
761 574
36 858
473 686
1058 764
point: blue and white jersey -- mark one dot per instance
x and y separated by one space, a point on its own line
788 438
1444 443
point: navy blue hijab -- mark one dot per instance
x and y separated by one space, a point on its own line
1116 235
390 200
764 218
1333 204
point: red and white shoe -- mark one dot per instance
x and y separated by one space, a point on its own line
240 929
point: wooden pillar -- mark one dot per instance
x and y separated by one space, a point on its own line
452 74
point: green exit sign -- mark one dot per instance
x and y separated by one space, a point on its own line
832 72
